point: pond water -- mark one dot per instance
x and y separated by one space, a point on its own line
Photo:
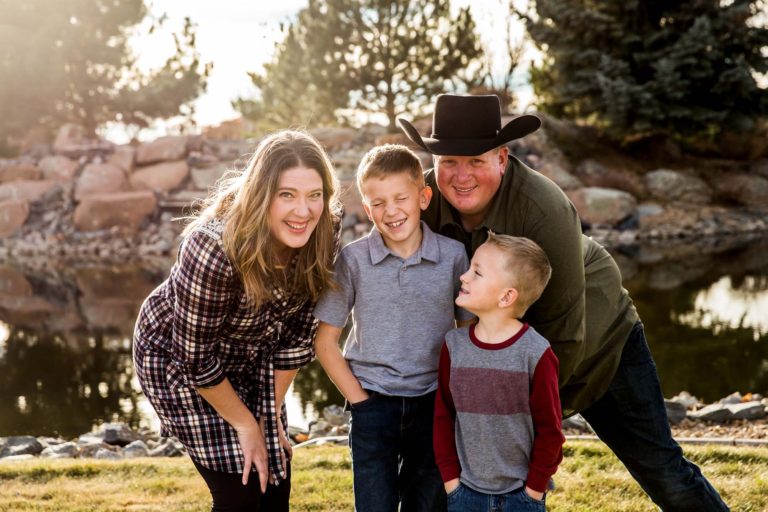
65 334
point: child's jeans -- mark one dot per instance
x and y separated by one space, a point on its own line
392 456
464 499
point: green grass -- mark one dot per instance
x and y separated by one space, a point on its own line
590 479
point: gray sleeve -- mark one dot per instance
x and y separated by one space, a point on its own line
336 303
460 265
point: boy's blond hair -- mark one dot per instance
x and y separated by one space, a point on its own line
389 159
527 264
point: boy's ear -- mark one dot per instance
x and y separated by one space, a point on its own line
367 211
425 196
508 297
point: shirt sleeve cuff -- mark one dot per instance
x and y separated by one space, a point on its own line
537 481
206 376
293 358
450 471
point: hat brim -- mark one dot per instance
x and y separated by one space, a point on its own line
515 129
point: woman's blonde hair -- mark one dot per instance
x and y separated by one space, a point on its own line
242 202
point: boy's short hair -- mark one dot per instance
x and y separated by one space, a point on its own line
528 265
389 159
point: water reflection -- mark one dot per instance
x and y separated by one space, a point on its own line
65 355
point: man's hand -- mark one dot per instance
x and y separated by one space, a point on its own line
534 494
251 439
451 485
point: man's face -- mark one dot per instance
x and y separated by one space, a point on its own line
470 182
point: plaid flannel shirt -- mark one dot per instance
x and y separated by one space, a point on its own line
196 328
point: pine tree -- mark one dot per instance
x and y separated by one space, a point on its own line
69 60
372 56
680 69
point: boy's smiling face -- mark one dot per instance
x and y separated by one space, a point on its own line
394 203
487 285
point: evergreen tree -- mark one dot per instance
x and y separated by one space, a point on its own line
69 60
370 56
634 68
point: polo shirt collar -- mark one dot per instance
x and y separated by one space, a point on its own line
428 250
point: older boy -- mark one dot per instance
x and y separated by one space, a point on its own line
498 437
399 283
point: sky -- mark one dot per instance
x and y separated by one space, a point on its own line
239 36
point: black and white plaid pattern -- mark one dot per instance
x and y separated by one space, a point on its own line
197 328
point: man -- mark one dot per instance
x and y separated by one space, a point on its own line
606 370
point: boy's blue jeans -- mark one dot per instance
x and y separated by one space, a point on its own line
464 499
392 457
632 420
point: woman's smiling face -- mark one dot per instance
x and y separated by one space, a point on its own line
296 207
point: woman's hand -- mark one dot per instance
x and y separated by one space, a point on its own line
251 439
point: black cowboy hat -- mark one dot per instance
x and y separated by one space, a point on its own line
469 125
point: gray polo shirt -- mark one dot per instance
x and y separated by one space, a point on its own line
401 310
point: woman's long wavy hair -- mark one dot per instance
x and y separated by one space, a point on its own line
242 201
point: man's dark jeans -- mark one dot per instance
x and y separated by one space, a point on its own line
632 420
392 456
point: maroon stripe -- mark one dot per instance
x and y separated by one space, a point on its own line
490 391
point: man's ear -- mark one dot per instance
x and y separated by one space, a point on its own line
508 297
503 158
425 196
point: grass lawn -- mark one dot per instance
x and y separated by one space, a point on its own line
590 479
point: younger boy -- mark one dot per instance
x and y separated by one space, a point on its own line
498 437
399 283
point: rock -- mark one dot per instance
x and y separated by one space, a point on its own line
13 215
20 171
351 199
108 314
20 445
18 458
733 398
61 451
164 149
759 167
167 448
577 422
667 185
713 412
334 138
206 177
100 179
165 177
58 168
595 174
745 189
13 283
89 449
556 172
686 399
125 211
320 428
123 158
118 434
26 190
136 449
397 138
602 206
73 140
105 283
105 454
676 411
336 416
747 410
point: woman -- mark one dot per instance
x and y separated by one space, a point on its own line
218 343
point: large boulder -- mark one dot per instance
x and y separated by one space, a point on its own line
13 215
73 140
596 174
100 283
164 149
745 189
13 283
58 168
21 445
602 206
19 171
334 138
124 210
124 157
162 177
97 179
205 178
669 186
555 169
26 190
